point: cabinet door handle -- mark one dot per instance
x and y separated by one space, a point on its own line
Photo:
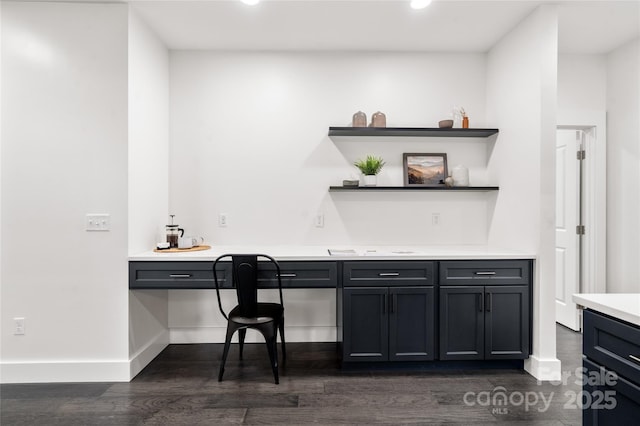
287 275
488 304
180 276
485 272
481 302
384 303
635 358
393 306
389 274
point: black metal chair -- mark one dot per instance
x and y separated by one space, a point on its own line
267 318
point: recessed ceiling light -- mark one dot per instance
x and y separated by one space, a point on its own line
420 4
250 2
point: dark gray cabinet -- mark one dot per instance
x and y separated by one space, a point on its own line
387 315
177 275
199 275
366 325
395 310
485 322
611 355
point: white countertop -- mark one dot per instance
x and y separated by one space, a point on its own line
290 252
624 306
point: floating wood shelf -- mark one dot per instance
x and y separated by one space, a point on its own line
412 132
414 188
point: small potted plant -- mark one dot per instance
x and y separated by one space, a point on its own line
370 167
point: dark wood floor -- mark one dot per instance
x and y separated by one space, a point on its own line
180 387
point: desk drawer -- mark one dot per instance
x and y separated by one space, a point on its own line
493 272
299 274
388 273
613 344
177 275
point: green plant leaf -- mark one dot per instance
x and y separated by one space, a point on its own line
370 165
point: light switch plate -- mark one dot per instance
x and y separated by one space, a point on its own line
98 222
223 220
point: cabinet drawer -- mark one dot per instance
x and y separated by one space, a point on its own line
613 344
299 275
493 272
612 401
388 273
177 275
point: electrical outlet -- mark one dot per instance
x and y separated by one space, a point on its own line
18 326
319 220
223 220
435 219
98 222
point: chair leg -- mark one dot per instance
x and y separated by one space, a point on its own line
270 333
272 348
241 335
284 348
225 352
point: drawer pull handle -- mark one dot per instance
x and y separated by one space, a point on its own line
389 274
287 275
180 276
486 273
635 358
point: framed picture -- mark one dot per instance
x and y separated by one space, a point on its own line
424 169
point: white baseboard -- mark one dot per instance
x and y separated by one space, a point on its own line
548 369
146 354
83 371
64 371
217 334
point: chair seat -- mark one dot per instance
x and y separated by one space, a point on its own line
267 312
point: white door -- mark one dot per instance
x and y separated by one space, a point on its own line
568 142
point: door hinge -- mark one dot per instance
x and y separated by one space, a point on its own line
581 155
580 229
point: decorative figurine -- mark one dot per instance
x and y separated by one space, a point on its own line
378 119
359 119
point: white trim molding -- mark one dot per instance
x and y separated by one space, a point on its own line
543 369
594 124
64 371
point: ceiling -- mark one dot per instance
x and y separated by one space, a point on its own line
591 27
585 26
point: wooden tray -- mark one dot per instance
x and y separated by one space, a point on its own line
183 250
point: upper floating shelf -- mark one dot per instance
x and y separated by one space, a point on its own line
412 132
414 188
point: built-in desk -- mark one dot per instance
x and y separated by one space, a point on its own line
392 303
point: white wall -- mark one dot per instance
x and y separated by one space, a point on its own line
64 154
582 83
623 169
148 181
148 135
521 101
249 139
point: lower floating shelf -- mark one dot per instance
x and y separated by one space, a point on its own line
414 188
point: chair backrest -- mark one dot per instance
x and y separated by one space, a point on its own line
245 280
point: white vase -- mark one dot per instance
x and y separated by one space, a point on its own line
370 180
460 175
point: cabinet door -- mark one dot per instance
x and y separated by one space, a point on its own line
461 322
366 329
411 323
506 326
